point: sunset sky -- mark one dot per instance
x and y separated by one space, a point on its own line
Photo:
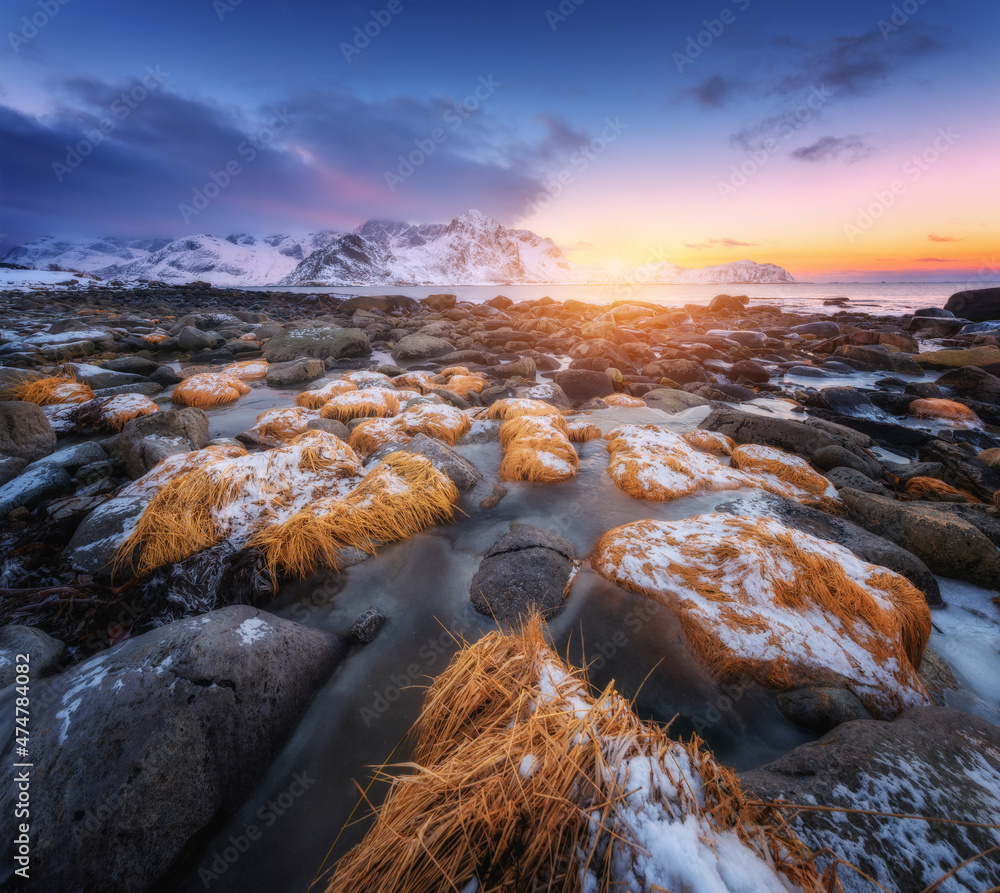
844 141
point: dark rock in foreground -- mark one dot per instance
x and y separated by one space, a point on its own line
140 749
932 761
978 304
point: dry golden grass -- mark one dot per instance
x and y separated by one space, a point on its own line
537 448
464 384
899 616
512 407
284 424
247 370
623 400
366 404
50 391
155 337
582 431
315 399
401 496
468 815
755 458
174 466
445 423
209 389
116 412
454 370
710 441
931 488
946 410
420 382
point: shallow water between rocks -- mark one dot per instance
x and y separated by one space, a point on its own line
360 718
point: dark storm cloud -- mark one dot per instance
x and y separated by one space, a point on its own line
832 148
320 160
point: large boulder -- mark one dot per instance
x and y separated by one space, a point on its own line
786 434
527 570
679 371
421 347
141 749
964 470
99 377
582 384
382 303
866 545
672 400
932 761
439 303
949 359
33 486
147 440
972 382
323 342
25 431
947 544
283 375
977 304
880 359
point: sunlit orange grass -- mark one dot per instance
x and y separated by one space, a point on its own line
713 442
931 488
703 565
174 466
512 407
445 423
945 411
537 449
116 412
449 371
249 336
247 370
365 404
209 389
402 495
581 431
420 382
284 424
464 384
758 459
469 816
623 400
155 337
50 391
316 398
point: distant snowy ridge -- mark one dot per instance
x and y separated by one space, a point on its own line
473 249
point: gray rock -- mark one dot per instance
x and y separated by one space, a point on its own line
672 400
382 303
146 388
331 426
582 384
460 471
10 468
820 708
932 761
283 375
977 304
828 457
133 365
821 329
25 432
439 302
679 371
748 370
526 570
73 457
867 545
191 339
93 546
368 625
323 342
846 478
164 376
145 441
181 723
99 378
948 545
44 652
420 347
32 487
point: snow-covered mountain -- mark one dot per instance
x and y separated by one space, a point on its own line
87 256
735 273
472 249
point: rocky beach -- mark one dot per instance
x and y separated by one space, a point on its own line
618 583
